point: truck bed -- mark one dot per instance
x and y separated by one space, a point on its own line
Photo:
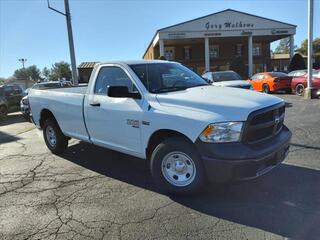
66 104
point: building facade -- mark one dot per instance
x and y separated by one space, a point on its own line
213 42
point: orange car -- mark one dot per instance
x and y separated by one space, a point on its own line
271 82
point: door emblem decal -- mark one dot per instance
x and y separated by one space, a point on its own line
133 123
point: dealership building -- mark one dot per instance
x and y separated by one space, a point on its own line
212 42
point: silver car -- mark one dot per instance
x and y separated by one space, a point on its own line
226 79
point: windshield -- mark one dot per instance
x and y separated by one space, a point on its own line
225 76
166 77
278 74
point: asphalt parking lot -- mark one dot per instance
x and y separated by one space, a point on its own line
93 193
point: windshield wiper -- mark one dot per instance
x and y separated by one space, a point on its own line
169 89
199 85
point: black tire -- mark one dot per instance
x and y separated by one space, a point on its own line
299 89
180 146
266 88
3 112
61 142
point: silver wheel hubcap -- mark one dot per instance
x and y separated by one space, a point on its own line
51 136
300 90
178 169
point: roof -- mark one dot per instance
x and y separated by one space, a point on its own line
283 56
226 10
133 62
87 64
212 14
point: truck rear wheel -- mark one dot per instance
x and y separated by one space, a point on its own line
176 167
53 136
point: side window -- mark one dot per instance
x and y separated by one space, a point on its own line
8 90
112 76
255 77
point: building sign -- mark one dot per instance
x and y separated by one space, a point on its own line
228 25
273 32
176 35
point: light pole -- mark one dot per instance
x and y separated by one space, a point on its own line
70 37
310 91
23 60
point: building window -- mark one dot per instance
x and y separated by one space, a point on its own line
169 53
239 50
214 51
187 53
256 51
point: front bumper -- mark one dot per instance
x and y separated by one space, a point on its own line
24 109
240 161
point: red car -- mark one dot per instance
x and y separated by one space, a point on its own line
298 84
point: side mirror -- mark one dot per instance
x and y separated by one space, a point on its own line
122 92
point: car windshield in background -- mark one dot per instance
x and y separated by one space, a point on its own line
225 76
166 77
278 74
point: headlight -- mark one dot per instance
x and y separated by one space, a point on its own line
25 101
222 132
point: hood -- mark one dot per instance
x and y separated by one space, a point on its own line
235 83
234 104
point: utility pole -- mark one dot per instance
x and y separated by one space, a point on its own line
23 60
70 37
310 91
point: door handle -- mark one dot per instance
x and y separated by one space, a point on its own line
95 104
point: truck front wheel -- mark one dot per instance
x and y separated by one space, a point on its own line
176 167
54 138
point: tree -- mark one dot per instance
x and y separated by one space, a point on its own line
316 50
237 64
46 73
296 63
303 49
60 70
284 46
21 73
2 80
31 72
162 58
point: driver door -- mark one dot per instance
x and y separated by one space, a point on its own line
114 122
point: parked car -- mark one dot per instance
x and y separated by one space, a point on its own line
271 82
10 96
297 73
226 79
188 130
298 84
24 103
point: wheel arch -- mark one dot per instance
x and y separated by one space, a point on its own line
44 115
160 135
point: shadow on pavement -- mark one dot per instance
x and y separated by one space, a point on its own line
305 146
285 202
12 118
5 138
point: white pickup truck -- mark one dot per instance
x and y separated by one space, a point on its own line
189 131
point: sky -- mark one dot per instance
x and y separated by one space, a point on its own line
116 30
